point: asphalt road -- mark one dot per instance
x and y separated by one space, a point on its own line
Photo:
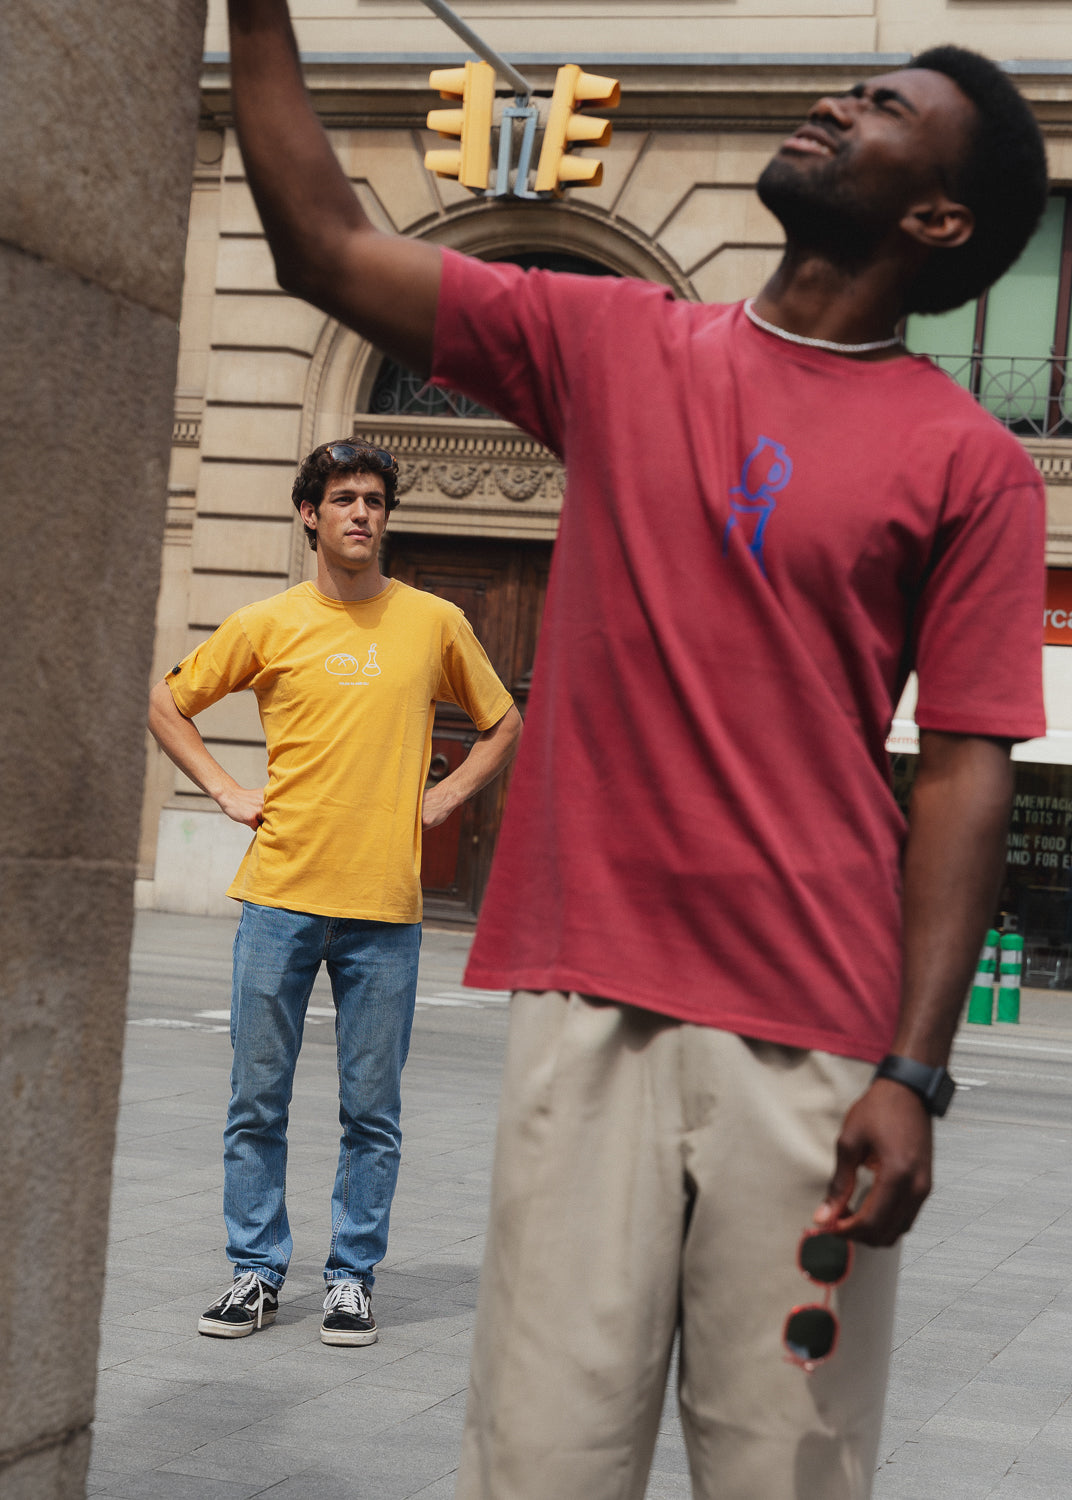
1006 1079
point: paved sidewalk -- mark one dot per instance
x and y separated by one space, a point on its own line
982 1370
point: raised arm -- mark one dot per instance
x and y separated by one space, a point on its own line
326 249
181 742
952 871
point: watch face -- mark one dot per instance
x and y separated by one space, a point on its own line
943 1094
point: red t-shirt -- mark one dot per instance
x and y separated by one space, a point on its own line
758 542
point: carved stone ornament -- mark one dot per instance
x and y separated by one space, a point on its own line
517 483
456 480
408 474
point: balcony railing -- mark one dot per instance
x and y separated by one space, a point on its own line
1032 396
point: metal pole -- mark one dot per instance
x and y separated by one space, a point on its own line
440 8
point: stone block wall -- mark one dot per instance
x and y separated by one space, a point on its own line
100 108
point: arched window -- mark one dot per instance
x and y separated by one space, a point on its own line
399 392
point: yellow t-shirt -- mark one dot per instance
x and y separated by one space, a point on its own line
347 695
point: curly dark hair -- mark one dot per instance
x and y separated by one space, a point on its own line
322 464
1002 179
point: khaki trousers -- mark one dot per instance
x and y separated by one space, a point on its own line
654 1177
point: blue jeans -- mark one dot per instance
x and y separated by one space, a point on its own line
373 972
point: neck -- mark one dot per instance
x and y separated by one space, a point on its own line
348 585
808 295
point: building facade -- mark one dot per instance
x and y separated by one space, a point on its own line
709 89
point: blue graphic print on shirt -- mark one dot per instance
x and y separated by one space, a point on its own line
765 473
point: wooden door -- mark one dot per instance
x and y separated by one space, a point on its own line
501 587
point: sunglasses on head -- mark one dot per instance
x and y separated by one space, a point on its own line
811 1331
345 453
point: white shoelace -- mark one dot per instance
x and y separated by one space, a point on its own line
240 1292
348 1297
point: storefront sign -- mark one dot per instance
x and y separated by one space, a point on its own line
1058 616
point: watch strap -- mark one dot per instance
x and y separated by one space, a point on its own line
933 1085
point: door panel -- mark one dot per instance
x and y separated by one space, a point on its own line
501 588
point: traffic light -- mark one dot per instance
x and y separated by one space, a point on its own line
474 86
565 127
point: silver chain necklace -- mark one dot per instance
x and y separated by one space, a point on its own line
798 338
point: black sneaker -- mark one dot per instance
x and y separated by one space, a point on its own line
249 1305
348 1315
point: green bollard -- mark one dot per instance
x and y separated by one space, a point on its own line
981 1001
1012 962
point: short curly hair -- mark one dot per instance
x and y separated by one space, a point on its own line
321 465
1002 179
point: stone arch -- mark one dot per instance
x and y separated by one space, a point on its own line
344 365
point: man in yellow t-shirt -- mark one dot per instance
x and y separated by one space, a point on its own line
347 672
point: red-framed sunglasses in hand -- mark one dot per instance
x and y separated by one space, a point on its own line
811 1330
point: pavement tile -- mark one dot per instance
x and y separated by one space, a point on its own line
433 1372
238 1458
163 1484
121 1344
121 1446
313 1484
334 1418
393 1466
1057 1434
119 1393
669 1487
943 1468
99 1481
1022 1483
440 1489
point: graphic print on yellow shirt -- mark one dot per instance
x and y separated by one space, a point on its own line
346 694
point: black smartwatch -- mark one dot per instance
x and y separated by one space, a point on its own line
933 1085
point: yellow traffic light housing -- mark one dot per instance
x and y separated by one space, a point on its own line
474 87
565 127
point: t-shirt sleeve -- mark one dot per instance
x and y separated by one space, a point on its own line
223 664
980 616
468 679
513 339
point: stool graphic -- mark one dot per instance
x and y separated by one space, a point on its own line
765 473
372 666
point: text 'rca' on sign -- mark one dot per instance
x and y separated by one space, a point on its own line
1057 620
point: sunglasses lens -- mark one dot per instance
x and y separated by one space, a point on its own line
344 453
810 1333
825 1257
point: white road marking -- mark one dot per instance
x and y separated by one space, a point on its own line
170 1025
1013 1046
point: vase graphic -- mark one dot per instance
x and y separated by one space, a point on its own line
765 473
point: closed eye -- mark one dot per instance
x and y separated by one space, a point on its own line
881 98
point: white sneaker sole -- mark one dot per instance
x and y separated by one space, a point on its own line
351 1340
217 1330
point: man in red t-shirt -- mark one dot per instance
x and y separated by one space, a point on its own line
714 916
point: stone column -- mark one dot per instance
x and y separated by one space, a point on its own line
100 105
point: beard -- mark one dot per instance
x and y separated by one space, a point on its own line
822 209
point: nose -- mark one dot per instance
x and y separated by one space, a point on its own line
835 108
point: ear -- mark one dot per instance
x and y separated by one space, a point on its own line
307 512
939 224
